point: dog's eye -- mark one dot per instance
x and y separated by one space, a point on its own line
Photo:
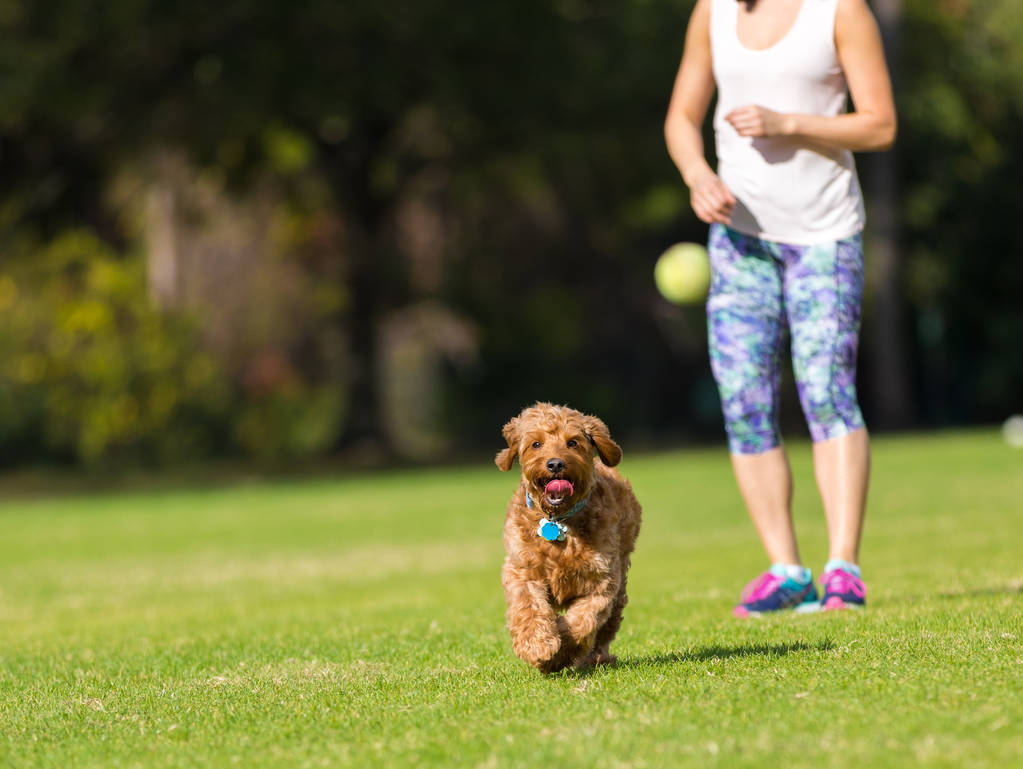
537 444
572 443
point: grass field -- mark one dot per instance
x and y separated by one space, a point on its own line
359 622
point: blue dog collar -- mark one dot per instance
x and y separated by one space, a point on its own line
552 529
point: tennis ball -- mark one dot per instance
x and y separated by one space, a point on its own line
682 273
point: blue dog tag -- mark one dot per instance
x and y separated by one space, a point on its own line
552 531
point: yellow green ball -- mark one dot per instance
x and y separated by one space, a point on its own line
682 273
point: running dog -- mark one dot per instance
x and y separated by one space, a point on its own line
570 527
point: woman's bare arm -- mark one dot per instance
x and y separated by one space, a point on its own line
694 87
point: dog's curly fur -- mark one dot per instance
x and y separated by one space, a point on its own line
565 599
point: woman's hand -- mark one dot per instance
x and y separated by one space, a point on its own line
711 199
754 120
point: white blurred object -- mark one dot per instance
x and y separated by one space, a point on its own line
1012 431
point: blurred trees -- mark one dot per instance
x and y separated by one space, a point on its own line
90 369
962 156
388 225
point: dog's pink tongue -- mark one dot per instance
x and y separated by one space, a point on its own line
559 488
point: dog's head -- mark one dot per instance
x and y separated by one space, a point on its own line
556 447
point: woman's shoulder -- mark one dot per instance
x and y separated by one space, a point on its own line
852 11
853 19
699 20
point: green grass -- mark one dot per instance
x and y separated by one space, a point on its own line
359 622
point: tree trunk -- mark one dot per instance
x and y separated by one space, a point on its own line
161 245
364 430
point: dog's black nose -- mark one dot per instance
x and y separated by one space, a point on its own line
555 465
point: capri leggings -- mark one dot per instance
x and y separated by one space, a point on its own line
763 291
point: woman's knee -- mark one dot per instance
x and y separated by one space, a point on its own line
831 410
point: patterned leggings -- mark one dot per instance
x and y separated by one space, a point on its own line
762 289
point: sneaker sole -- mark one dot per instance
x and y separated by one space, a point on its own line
809 607
837 604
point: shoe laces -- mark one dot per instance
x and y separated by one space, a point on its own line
761 587
841 581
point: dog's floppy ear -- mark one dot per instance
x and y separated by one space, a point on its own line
506 457
610 453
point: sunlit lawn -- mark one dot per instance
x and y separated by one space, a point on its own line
359 622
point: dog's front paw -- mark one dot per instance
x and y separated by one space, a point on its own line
595 658
568 650
580 640
538 649
559 661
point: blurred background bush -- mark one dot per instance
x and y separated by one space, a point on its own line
281 230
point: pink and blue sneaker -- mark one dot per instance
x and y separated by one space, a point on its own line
843 587
781 587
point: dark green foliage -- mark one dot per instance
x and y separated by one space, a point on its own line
504 161
91 371
962 111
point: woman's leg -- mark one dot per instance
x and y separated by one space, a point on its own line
765 482
746 330
823 289
842 467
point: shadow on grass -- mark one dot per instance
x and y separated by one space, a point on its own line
712 652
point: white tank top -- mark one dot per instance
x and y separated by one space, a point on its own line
787 189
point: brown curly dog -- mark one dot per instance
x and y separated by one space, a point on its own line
570 527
